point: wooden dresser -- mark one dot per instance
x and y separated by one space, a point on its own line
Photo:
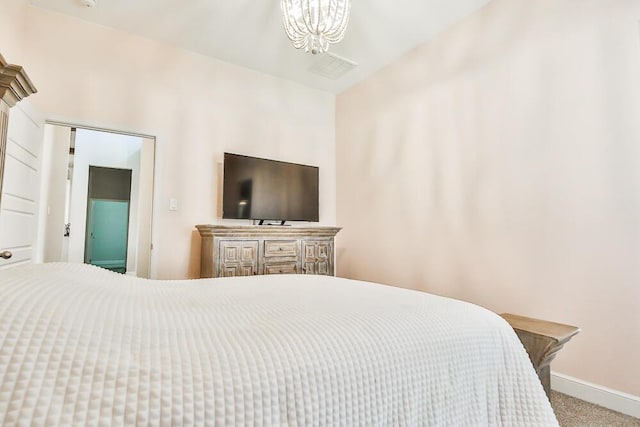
250 250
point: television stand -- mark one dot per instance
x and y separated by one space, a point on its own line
250 250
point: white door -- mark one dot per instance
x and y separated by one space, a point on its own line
21 185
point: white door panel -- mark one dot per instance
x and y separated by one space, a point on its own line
20 256
25 123
21 184
23 156
17 204
20 180
17 229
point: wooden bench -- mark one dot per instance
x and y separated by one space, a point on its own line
542 340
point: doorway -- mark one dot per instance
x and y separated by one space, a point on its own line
108 210
73 208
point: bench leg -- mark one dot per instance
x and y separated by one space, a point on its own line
542 340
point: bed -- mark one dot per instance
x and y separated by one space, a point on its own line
84 346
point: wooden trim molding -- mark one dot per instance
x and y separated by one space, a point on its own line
15 85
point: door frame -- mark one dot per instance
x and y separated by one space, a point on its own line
78 125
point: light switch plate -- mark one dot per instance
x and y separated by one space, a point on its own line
173 204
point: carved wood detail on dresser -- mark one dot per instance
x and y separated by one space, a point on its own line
250 250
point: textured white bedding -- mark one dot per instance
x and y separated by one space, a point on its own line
84 346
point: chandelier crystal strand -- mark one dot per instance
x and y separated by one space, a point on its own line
314 24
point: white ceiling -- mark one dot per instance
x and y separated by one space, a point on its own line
250 32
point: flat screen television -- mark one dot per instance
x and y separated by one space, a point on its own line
263 189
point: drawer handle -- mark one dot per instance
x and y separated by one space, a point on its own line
6 254
280 248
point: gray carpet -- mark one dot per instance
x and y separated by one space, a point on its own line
572 412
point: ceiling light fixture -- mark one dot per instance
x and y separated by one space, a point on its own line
313 24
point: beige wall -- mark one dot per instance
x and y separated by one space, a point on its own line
500 164
196 107
12 19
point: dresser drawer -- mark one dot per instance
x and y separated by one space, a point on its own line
281 268
280 248
239 251
237 258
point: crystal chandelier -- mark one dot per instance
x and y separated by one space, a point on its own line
313 24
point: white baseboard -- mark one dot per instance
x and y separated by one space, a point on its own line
603 396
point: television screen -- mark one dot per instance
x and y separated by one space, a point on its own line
263 189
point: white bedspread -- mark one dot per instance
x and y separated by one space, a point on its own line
84 346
